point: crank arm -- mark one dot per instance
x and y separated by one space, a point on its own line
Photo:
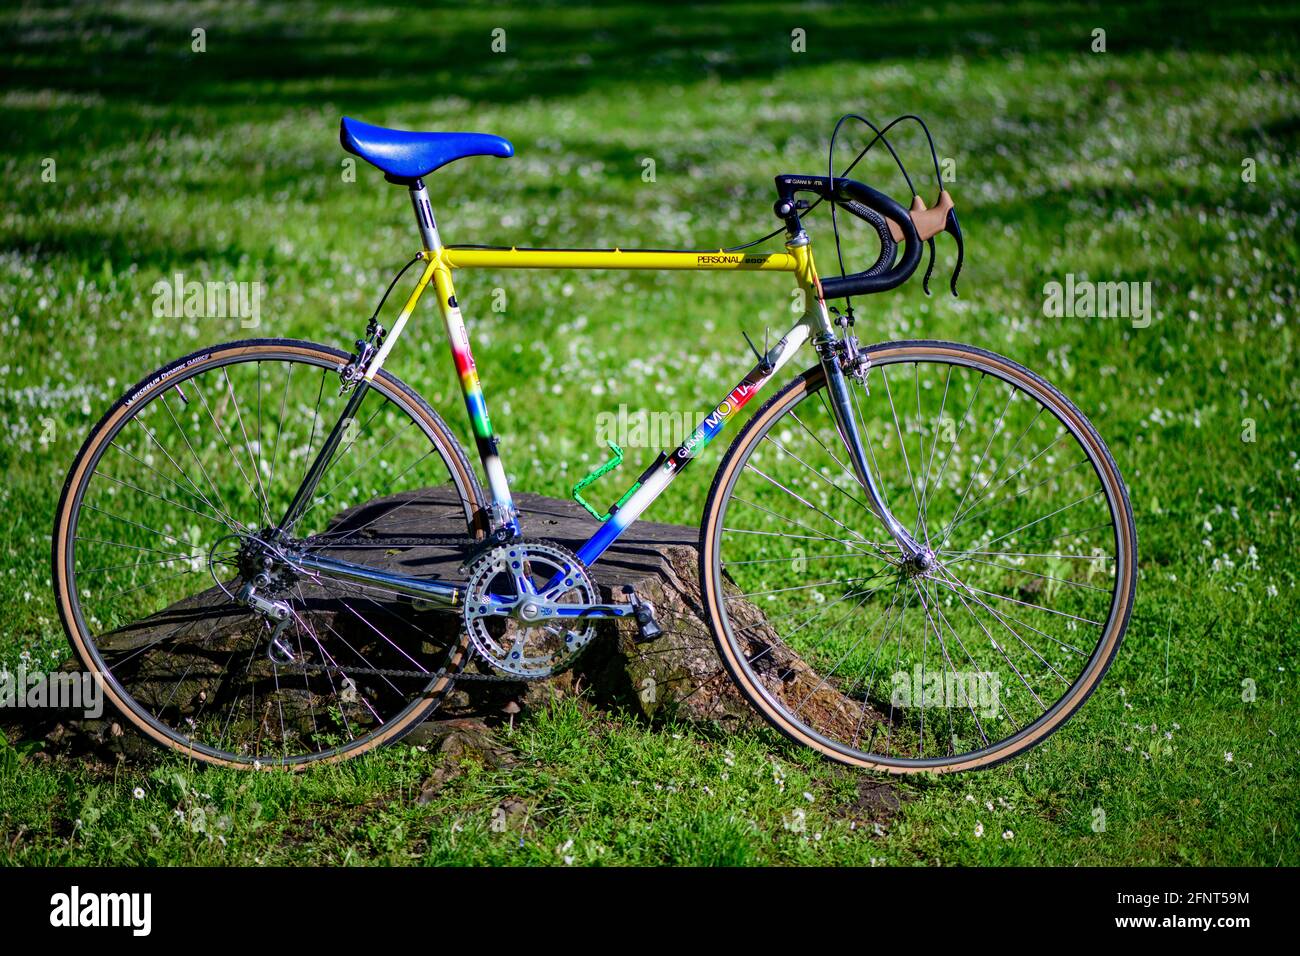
532 610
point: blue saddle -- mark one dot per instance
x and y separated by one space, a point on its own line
405 156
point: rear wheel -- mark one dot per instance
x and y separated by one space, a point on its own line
958 661
165 517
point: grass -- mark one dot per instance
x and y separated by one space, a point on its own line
1118 166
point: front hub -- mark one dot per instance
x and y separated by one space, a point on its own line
919 565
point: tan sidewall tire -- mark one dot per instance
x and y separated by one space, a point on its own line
1117 499
393 389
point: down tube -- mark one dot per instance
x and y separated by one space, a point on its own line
663 474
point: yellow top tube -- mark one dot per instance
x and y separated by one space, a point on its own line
478 257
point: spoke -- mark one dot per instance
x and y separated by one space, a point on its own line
1036 607
1046 577
1045 517
1034 554
886 624
997 645
326 496
812 507
823 537
975 506
220 506
985 489
788 558
279 424
957 637
132 547
938 482
819 611
151 584
161 534
333 537
797 537
800 587
810 468
315 419
845 656
1001 620
230 390
997 429
813 436
221 431
143 564
221 516
163 498
898 664
1063 534
920 596
902 445
1055 640
925 481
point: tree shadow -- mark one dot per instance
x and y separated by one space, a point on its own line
366 59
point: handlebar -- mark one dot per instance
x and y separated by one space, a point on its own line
893 224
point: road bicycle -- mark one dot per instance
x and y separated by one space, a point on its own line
915 556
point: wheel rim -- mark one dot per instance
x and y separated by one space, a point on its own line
961 664
184 476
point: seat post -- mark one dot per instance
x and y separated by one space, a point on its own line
424 216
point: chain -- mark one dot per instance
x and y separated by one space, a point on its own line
397 672
427 541
478 544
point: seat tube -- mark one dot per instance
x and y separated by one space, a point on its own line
504 514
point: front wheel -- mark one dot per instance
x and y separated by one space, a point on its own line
956 662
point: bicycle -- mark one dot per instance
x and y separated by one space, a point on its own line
935 591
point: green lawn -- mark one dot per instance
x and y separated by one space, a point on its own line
1170 158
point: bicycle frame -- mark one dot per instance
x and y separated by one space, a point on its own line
439 263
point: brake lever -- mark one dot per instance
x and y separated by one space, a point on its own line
950 226
929 223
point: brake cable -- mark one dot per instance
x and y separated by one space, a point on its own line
830 175
880 134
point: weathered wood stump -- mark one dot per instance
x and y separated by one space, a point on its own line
676 674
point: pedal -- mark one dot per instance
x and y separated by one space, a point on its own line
648 629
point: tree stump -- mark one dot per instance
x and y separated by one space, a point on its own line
677 674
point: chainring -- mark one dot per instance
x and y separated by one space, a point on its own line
531 650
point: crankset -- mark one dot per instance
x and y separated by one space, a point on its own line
530 609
